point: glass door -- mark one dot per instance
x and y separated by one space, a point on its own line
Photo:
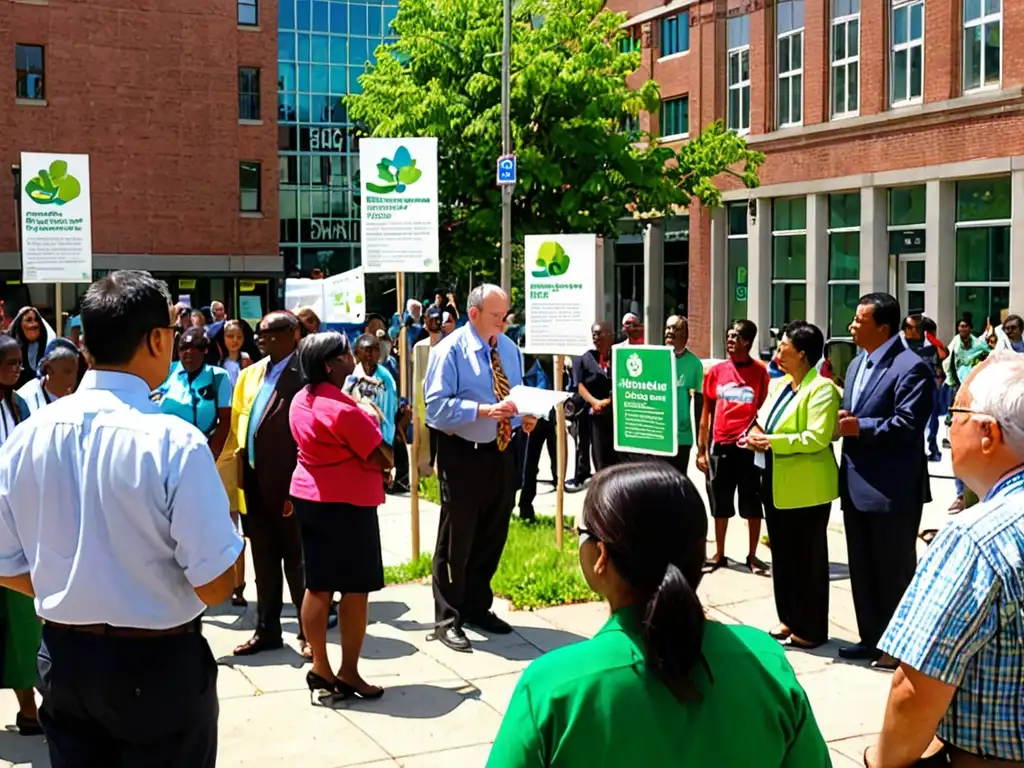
911 283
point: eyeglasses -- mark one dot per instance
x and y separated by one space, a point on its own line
972 412
585 534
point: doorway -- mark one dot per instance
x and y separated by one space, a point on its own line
911 283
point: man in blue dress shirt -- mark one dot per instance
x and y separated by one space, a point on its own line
468 378
113 516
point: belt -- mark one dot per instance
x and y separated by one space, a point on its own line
106 630
469 444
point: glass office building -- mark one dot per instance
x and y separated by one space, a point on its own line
323 48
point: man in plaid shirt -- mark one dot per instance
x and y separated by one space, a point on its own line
959 631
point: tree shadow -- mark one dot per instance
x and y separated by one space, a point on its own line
387 611
18 749
413 702
286 656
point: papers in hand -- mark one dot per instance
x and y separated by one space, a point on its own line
531 401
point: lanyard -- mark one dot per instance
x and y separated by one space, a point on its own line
1008 485
779 407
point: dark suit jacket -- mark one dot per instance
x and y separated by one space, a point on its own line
276 453
885 469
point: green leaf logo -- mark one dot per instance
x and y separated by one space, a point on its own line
396 174
53 187
552 260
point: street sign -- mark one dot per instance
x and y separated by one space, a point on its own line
506 170
645 407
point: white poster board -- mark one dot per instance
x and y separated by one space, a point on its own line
561 293
398 184
303 292
345 297
56 218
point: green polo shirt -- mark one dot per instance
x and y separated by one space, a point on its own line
689 378
594 704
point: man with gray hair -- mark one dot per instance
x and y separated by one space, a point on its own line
958 693
470 373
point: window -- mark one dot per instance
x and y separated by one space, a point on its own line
630 41
28 64
738 74
248 93
789 260
675 117
790 22
845 57
843 262
675 34
982 276
248 12
736 266
249 197
906 71
982 43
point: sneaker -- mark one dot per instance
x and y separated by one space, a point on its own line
571 486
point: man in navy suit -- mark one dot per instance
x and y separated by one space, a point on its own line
883 476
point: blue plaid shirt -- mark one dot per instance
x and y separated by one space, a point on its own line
962 622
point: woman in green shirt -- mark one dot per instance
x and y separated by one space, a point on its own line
659 685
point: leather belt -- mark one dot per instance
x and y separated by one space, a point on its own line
106 630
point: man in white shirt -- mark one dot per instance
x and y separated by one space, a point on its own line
113 516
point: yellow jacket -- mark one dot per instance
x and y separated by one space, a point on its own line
230 462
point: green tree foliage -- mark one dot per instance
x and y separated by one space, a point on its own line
578 170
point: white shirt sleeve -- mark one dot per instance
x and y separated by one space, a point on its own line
206 542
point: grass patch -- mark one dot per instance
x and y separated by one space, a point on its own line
430 489
417 570
532 573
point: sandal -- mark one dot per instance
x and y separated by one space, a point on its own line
804 645
238 599
780 632
306 651
758 566
710 566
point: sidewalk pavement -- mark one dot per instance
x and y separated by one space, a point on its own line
443 708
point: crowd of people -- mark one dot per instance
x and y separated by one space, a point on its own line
293 432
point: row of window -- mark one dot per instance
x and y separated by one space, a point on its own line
982 267
981 57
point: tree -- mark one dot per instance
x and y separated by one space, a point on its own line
578 170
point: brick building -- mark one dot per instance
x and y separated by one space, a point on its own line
175 105
894 135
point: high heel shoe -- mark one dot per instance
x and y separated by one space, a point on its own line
347 690
321 685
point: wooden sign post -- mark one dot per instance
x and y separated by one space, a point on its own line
560 452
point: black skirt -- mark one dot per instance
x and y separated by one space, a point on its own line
340 547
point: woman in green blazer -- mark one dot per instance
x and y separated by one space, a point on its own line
800 480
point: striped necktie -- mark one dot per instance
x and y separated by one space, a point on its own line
501 390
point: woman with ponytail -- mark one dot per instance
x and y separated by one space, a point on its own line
659 685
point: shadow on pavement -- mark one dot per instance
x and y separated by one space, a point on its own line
287 656
830 650
418 702
16 749
385 648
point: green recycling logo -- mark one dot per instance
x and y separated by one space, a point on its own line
634 365
552 260
397 173
55 186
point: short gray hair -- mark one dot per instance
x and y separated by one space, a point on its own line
997 390
481 292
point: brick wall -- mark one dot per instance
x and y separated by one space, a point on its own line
150 91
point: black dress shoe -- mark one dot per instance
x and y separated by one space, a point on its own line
453 637
859 653
571 486
488 622
256 644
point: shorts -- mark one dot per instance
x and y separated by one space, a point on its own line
731 473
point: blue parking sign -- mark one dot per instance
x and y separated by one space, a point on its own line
506 170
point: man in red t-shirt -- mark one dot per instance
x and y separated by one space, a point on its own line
734 390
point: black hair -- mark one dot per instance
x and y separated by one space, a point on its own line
59 349
967 318
196 336
367 340
8 343
17 331
1013 318
747 330
120 311
928 325
652 523
806 338
917 317
318 349
885 310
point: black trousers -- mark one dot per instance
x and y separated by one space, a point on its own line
582 448
543 435
128 702
680 461
602 441
883 557
275 542
401 453
800 575
478 487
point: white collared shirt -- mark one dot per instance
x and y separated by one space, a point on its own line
115 508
